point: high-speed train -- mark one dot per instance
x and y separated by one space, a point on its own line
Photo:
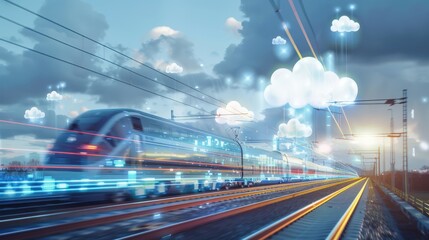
132 153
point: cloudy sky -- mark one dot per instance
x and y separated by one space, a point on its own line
194 57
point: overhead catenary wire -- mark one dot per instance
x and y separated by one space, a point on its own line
347 120
120 53
277 10
284 25
101 74
292 5
110 48
104 59
336 122
317 49
315 56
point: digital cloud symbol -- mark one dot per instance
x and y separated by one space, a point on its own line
33 113
309 84
278 41
233 114
344 24
54 96
173 68
294 129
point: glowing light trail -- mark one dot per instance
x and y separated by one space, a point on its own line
336 122
286 29
292 5
347 120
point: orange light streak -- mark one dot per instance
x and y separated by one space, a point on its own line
292 5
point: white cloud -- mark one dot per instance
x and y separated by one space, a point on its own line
233 24
344 24
173 68
157 32
34 113
278 41
233 114
54 96
308 83
294 129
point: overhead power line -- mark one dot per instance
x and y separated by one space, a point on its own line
104 59
117 52
292 5
279 15
111 49
101 74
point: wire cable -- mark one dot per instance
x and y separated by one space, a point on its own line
101 74
118 52
104 59
279 15
347 120
336 122
292 5
111 49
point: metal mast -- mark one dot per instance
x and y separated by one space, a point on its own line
405 142
392 152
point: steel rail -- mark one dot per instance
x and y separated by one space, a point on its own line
195 222
342 223
185 202
279 225
53 215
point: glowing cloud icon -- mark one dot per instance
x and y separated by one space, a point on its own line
344 24
294 129
54 96
173 68
278 41
233 114
309 83
34 113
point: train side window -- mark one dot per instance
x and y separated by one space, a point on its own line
137 124
119 131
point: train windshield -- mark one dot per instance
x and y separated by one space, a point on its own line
88 124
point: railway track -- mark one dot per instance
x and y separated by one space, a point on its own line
108 214
318 220
175 228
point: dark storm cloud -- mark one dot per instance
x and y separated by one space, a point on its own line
389 30
76 15
113 92
29 75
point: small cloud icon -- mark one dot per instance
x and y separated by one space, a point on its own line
278 41
294 129
173 68
34 113
233 114
54 96
344 24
